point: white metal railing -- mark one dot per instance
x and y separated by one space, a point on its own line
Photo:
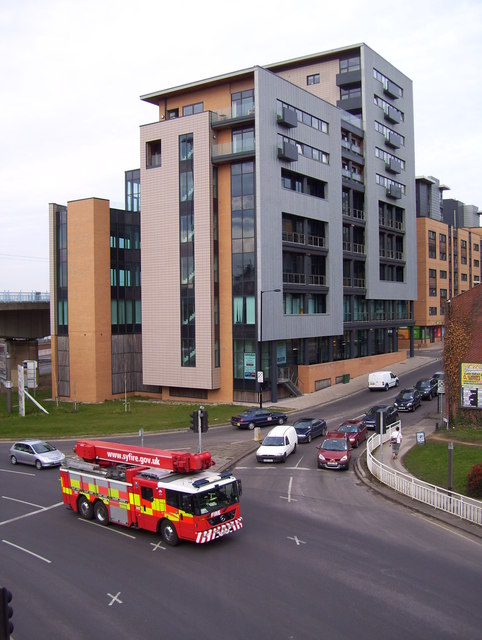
454 503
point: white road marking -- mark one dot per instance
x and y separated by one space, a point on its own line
288 497
32 513
114 598
32 504
27 551
102 526
297 540
22 473
298 463
446 528
157 545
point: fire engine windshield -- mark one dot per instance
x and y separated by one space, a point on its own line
216 498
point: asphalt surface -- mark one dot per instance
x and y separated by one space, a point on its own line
227 455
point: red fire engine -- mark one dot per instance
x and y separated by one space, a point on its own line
169 492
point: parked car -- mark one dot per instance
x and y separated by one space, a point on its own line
334 452
278 444
308 428
382 380
258 418
36 452
427 388
391 415
355 430
439 375
408 400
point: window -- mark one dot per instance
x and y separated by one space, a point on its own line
191 109
463 277
432 311
443 275
346 93
153 154
350 64
313 79
305 150
173 113
242 103
304 117
302 184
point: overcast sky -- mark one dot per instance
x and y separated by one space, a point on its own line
72 72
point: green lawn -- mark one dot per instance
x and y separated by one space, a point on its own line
429 462
100 419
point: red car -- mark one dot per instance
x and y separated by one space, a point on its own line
355 430
334 452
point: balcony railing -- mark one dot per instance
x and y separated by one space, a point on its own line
354 213
293 278
316 241
230 149
297 238
317 280
21 296
354 247
388 222
233 113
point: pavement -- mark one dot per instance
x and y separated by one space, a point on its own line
227 455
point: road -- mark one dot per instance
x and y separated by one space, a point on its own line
320 556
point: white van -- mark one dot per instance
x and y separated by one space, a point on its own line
382 380
278 444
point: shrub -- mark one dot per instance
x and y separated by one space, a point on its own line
474 481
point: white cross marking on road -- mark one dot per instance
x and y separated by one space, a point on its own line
296 539
114 598
157 545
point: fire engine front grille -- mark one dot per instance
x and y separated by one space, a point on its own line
223 517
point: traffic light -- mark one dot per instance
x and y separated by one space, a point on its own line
6 612
204 421
194 424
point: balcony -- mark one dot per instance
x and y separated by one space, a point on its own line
295 238
394 191
317 241
293 278
354 283
288 118
317 280
391 89
228 151
349 77
229 116
392 115
393 165
393 140
354 247
288 151
391 224
358 214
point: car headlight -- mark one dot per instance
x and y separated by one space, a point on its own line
321 457
344 459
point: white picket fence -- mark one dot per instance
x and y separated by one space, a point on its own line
461 506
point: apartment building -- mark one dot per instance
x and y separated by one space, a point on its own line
448 258
278 233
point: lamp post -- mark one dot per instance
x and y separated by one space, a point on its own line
259 373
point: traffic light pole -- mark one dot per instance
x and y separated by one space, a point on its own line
199 427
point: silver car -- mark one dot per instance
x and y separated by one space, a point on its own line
36 452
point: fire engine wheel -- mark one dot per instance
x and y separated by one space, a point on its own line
100 512
169 533
85 508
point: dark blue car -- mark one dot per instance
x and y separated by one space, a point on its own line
258 418
308 428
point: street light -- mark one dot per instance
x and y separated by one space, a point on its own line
259 374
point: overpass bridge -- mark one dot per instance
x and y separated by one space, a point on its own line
24 319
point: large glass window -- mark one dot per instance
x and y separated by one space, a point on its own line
242 103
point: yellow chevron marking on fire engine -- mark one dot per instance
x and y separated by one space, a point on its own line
186 515
67 491
114 493
93 488
148 511
174 517
134 499
75 483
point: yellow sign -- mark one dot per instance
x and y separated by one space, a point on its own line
471 374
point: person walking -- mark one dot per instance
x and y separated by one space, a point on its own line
396 441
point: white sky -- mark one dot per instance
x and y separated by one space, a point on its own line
72 72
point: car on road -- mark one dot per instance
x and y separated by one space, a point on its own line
427 387
391 415
37 453
382 380
355 430
334 452
408 400
309 428
252 418
278 444
438 375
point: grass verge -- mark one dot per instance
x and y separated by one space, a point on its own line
429 462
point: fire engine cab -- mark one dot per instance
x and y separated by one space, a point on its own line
172 493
